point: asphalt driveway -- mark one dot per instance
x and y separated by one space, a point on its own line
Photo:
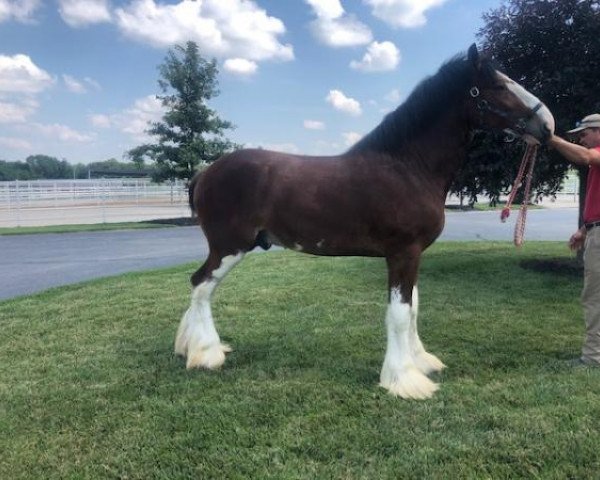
32 263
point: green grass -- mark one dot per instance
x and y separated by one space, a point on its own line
486 207
90 387
79 228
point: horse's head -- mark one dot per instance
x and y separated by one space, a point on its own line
497 101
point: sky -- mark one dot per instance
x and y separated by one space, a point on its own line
79 78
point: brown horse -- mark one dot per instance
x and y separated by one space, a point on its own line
383 198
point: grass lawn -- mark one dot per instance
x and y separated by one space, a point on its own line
90 387
79 228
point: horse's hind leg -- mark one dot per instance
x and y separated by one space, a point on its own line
197 338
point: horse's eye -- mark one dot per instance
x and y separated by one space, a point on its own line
500 87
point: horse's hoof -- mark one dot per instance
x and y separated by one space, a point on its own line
210 357
428 363
407 383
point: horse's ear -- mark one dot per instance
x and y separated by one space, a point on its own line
473 56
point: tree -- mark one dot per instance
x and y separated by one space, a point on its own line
552 48
114 168
46 167
10 171
190 132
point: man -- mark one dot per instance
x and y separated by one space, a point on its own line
587 154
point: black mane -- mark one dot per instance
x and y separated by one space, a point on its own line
431 97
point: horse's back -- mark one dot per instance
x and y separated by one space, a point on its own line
250 176
239 187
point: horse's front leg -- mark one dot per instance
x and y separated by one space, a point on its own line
400 374
425 361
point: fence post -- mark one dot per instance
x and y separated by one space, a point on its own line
18 203
103 200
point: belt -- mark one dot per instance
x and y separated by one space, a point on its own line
589 226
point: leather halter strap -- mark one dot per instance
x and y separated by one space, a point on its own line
484 106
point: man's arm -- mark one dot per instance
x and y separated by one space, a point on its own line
574 153
577 240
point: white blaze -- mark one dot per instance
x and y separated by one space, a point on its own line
530 100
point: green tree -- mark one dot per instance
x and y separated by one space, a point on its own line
190 132
551 47
114 168
10 171
46 167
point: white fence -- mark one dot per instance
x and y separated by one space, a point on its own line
54 202
43 202
56 193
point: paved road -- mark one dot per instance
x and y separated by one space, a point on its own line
31 263
543 224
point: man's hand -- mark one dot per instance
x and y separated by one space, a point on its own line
577 239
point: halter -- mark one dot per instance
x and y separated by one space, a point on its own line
527 163
484 106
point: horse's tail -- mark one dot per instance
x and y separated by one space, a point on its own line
192 187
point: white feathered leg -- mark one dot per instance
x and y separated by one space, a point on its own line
197 338
426 362
399 374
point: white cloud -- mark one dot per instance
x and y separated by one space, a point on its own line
281 147
20 10
327 8
350 138
341 102
100 121
314 125
19 74
93 83
17 110
240 66
234 29
334 27
275 147
380 57
62 133
80 86
403 13
133 121
73 85
15 143
80 13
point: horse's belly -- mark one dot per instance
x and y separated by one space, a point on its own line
325 246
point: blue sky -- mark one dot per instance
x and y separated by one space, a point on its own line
78 78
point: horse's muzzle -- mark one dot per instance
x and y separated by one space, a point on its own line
540 125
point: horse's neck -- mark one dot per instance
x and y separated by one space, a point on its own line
443 154
453 152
